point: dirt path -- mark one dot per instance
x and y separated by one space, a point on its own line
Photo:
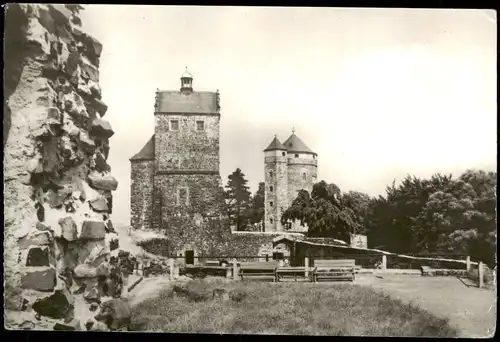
147 288
471 310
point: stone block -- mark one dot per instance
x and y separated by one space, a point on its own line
42 227
68 229
86 248
87 144
60 14
72 325
36 238
92 295
116 313
99 182
85 271
101 128
97 103
38 256
99 205
59 305
93 230
35 166
103 270
40 280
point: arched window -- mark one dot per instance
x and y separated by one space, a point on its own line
283 154
304 176
271 174
271 188
271 220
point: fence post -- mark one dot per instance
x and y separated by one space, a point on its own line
306 265
467 262
384 261
480 273
235 269
171 267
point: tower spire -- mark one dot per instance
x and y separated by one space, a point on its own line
293 130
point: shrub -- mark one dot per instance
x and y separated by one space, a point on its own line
157 246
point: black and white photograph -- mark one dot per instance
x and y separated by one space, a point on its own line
247 170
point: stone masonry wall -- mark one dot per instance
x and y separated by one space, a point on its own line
141 189
58 235
279 194
297 167
187 148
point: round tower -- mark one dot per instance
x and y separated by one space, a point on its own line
276 195
302 171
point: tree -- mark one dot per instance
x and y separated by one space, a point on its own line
237 199
256 212
361 205
323 212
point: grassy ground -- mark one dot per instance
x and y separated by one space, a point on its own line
472 311
287 308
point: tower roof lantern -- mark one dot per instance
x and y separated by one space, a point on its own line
186 74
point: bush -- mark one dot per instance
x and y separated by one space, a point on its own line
157 246
488 275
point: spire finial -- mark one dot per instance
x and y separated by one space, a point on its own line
275 136
293 130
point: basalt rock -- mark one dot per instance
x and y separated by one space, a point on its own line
59 305
99 205
101 128
39 279
93 230
38 256
68 229
99 182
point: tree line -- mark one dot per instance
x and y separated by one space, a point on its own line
436 215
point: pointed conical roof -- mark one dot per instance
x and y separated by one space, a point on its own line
147 152
295 145
275 145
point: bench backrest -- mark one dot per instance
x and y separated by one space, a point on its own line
259 265
335 263
212 263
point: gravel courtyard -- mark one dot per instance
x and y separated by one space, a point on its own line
470 309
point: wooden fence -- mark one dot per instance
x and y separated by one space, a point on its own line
230 265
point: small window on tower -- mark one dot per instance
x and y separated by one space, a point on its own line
182 196
271 203
271 188
271 174
200 125
174 125
304 176
271 220
296 155
283 154
314 157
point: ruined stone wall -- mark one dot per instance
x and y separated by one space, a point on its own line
275 169
187 149
141 190
58 235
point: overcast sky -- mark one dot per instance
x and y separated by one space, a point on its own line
377 93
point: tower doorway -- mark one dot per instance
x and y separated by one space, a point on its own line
189 256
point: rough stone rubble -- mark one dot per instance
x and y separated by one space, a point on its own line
58 235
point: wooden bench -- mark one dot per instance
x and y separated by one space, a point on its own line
333 269
290 272
258 269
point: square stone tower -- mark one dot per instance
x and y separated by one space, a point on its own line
176 184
